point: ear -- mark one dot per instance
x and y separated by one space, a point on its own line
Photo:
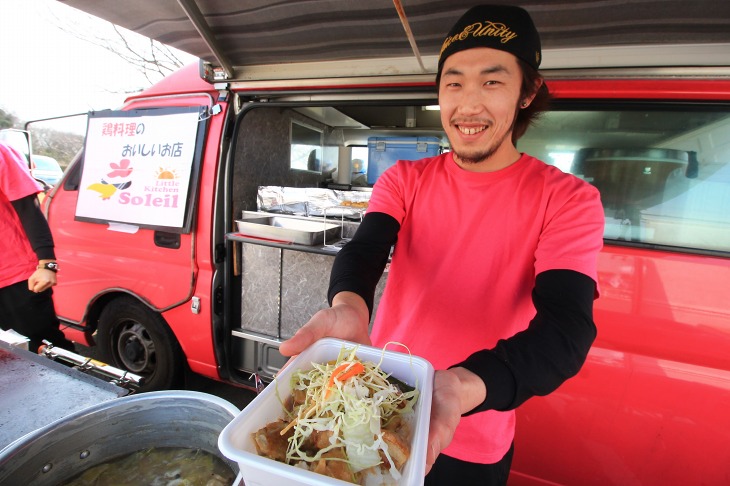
526 101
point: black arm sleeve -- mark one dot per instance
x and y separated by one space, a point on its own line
35 226
552 349
360 263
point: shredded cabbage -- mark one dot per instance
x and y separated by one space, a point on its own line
354 410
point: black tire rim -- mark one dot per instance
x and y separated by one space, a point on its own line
136 349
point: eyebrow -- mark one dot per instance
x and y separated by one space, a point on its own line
489 70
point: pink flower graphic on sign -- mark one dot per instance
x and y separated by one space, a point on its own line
107 189
122 169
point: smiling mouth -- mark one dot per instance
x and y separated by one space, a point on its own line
471 130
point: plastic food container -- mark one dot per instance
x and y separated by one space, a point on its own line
235 440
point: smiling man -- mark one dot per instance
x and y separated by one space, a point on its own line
478 93
493 274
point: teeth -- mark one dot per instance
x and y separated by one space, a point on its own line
471 130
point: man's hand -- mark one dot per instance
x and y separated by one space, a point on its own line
41 280
455 392
347 319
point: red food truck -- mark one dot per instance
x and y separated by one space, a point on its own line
198 226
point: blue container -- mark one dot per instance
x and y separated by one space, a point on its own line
385 151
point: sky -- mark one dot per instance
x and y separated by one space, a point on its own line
46 72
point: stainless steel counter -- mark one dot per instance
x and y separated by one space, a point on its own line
35 391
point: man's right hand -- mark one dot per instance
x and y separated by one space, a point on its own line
347 319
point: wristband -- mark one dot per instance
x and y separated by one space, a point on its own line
52 266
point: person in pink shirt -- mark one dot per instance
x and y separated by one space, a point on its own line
494 268
28 264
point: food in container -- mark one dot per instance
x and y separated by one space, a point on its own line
367 445
345 419
159 465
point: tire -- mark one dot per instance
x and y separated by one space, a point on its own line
133 337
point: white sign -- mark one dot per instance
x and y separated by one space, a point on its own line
137 167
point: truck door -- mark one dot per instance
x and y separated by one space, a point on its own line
125 229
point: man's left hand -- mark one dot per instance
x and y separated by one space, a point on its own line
455 392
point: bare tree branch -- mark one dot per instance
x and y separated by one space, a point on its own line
151 58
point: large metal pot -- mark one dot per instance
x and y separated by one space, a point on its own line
63 449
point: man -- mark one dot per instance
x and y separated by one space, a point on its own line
28 264
493 275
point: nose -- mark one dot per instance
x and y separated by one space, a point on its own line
471 101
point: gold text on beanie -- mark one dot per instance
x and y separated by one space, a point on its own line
480 29
503 27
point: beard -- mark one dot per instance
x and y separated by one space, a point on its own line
478 155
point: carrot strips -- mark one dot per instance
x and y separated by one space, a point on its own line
342 373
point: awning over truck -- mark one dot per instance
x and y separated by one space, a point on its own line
238 36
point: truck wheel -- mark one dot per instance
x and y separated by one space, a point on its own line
133 337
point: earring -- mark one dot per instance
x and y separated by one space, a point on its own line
524 104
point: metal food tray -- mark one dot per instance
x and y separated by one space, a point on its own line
288 230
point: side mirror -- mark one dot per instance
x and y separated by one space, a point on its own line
19 140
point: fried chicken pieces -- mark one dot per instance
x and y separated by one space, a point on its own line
269 441
272 441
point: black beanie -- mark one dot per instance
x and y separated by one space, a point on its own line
500 27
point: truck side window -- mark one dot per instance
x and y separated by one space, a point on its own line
663 173
73 179
306 147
